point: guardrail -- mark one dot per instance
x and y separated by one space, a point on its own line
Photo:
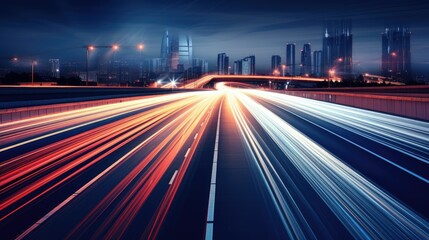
15 114
413 107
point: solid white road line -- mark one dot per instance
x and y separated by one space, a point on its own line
212 194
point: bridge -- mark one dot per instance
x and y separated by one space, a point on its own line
198 83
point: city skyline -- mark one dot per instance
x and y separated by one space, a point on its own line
237 31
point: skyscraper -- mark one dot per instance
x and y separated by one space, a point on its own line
396 53
185 51
318 63
248 65
55 68
238 67
290 59
201 64
276 61
306 59
337 47
165 52
176 50
222 63
173 57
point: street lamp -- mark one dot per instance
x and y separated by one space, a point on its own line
33 62
89 48
140 48
32 70
283 69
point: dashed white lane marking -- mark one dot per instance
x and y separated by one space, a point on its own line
173 177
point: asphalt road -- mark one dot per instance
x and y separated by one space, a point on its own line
227 164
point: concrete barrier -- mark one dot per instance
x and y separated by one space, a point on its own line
15 114
407 106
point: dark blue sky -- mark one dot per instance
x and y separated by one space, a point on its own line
56 29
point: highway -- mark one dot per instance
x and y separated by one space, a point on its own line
224 164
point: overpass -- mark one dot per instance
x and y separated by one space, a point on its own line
198 83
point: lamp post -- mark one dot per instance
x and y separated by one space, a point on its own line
140 48
33 62
32 71
283 69
88 49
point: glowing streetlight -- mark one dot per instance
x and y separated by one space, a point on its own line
33 62
283 69
393 54
140 48
89 48
115 47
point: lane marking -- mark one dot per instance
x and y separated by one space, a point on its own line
173 177
187 152
212 194
196 135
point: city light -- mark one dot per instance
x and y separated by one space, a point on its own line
140 47
115 47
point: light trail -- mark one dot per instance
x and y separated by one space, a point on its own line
365 210
34 175
407 136
124 165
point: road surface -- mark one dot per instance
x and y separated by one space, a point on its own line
226 164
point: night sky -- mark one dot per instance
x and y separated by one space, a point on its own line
56 29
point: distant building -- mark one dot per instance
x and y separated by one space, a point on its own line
206 67
290 59
337 48
318 63
222 63
55 68
175 49
252 60
155 65
396 53
276 61
72 69
185 51
165 52
245 66
248 65
306 59
200 63
238 67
